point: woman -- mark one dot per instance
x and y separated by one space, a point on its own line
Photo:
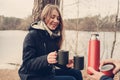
40 49
99 75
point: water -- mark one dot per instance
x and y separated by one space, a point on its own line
106 41
11 43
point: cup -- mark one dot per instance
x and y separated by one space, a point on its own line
79 62
107 69
63 57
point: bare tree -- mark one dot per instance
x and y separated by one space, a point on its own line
39 5
116 24
76 45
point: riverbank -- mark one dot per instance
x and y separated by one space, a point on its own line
9 74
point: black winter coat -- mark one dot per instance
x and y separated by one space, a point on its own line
37 45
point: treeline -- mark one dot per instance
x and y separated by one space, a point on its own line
13 23
94 23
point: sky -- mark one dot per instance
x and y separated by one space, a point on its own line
23 8
16 8
89 7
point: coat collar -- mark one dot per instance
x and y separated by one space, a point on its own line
41 25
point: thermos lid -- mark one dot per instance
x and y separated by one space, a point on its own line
94 36
107 69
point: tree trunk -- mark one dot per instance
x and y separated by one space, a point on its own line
39 5
115 31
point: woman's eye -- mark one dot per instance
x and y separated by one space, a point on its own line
52 17
58 18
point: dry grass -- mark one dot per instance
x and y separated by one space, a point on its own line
7 74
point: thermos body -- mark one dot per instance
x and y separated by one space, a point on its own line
94 53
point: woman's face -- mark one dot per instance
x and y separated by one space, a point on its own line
53 21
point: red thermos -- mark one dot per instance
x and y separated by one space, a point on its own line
94 53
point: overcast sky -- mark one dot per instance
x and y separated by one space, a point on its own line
16 8
23 8
90 8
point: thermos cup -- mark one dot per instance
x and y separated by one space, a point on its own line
79 62
107 69
94 53
63 57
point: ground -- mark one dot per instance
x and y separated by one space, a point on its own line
8 74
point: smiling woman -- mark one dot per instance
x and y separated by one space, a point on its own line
40 49
16 8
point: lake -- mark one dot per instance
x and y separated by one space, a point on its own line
11 42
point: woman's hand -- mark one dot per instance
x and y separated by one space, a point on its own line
70 63
96 75
52 57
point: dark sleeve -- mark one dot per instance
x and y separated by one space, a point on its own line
31 61
105 78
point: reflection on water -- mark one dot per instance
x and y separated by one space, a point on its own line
11 43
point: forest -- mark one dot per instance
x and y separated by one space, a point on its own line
90 23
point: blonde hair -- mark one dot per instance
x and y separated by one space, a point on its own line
47 10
